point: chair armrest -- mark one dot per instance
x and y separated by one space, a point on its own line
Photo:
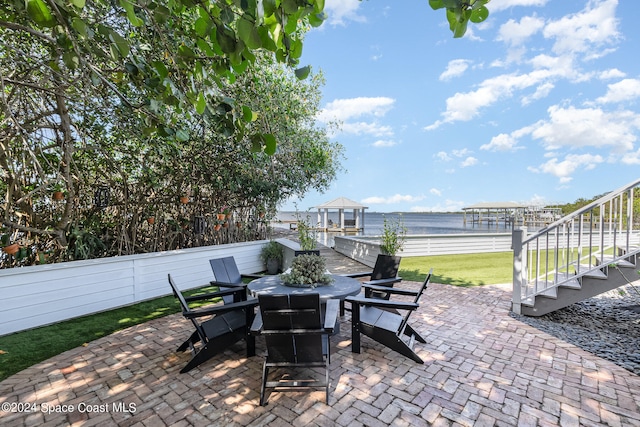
220 309
382 281
396 291
357 275
228 285
256 326
251 276
374 302
215 294
331 315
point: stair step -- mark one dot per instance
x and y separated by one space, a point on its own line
572 283
595 274
619 263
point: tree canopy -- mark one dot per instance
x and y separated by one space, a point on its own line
123 106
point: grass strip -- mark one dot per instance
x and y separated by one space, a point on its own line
20 350
460 270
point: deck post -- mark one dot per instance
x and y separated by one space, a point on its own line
517 237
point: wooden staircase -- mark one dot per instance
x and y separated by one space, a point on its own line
586 253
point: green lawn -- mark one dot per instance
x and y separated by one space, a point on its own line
23 349
461 270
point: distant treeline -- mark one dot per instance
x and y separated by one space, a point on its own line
567 208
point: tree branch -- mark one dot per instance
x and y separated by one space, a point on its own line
18 27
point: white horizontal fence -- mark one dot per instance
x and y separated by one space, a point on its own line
365 249
44 294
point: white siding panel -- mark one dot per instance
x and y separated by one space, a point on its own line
44 294
366 248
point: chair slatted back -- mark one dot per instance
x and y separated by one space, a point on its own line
225 270
291 326
416 300
386 267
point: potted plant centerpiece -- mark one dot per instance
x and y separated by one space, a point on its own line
271 255
307 271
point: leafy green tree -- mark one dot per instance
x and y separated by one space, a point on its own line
460 12
150 99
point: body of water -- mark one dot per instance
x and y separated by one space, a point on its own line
415 223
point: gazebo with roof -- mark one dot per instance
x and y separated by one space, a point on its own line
341 204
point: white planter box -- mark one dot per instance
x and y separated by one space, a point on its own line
365 249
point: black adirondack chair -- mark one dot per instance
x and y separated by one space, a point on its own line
227 276
296 337
223 324
384 273
382 321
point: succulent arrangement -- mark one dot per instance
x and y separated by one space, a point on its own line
307 271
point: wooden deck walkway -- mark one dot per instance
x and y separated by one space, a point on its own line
341 264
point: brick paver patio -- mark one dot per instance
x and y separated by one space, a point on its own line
483 368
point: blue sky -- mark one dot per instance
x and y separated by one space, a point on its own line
538 105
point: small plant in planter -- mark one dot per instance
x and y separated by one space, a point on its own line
393 236
307 271
306 234
271 255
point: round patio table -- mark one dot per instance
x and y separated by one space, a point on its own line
341 288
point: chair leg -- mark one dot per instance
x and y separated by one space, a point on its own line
193 339
265 373
396 344
213 347
251 344
355 328
326 397
409 331
204 354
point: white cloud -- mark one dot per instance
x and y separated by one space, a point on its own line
542 91
455 68
461 153
342 110
587 33
360 128
515 33
502 142
572 162
587 127
384 143
396 198
612 73
466 106
497 6
631 158
447 206
435 192
443 156
469 161
624 90
341 11
593 27
345 109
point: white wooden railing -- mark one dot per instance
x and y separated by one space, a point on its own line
589 239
